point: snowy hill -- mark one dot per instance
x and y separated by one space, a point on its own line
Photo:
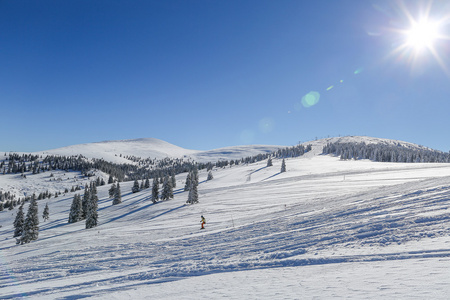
324 229
319 144
116 151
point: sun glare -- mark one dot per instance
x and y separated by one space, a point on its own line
422 35
418 38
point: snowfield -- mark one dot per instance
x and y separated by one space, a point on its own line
324 229
116 151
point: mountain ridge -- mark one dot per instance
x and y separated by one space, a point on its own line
118 151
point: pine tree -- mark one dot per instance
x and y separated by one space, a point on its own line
117 195
269 162
283 166
31 224
155 190
167 192
174 181
110 179
147 183
210 176
135 187
18 222
193 193
46 213
76 213
194 175
187 185
92 214
142 185
112 190
86 196
93 188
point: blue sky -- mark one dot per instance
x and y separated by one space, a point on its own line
205 74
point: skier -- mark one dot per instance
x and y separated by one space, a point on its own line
203 221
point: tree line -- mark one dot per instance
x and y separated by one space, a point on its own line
385 153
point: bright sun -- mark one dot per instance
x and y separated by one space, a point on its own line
418 39
422 35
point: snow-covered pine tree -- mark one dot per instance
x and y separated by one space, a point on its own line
117 195
193 193
142 185
194 175
188 182
167 192
76 213
210 176
155 190
283 166
112 190
174 181
46 213
135 187
92 214
269 162
85 201
31 224
110 179
18 222
93 188
147 183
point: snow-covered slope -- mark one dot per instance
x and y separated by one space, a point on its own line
116 151
318 144
232 153
324 229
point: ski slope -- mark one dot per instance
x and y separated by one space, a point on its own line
324 229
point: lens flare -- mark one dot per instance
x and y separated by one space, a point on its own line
310 99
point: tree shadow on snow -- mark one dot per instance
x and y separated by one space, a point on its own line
272 176
262 168
167 211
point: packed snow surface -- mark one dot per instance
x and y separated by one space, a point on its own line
324 229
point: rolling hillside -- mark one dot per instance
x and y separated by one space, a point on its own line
115 151
324 229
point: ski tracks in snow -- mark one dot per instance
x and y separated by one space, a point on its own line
301 235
